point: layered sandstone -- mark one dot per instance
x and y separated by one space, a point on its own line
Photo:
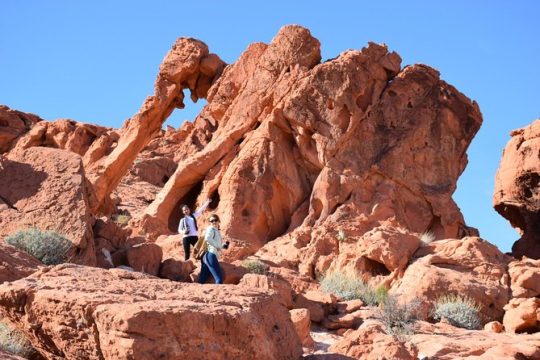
517 189
90 313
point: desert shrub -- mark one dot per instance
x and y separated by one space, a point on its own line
398 319
348 286
427 237
14 342
459 311
255 267
121 219
49 247
375 296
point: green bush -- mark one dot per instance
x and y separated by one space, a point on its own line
49 247
255 267
459 311
348 286
121 219
14 342
398 319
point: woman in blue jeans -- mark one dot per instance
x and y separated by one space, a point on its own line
210 263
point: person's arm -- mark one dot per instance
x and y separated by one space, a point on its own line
181 226
202 208
212 239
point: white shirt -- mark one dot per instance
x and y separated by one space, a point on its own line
188 220
213 238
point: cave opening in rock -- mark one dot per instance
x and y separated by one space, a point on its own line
373 267
215 200
190 200
531 329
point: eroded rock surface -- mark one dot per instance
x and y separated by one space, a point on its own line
188 65
46 188
15 264
517 189
468 267
90 313
299 150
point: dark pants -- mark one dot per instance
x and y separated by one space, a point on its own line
187 241
210 265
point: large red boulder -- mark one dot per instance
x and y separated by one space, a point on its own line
90 313
47 189
14 124
15 264
469 267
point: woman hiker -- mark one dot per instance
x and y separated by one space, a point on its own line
188 226
210 263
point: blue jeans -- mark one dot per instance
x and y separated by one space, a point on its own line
210 265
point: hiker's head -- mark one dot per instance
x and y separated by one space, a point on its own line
186 210
214 219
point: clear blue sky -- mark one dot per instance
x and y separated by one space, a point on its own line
96 61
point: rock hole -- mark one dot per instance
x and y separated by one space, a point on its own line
529 329
344 119
215 200
375 268
364 99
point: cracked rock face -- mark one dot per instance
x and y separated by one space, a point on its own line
517 189
77 312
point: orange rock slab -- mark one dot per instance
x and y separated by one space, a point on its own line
90 313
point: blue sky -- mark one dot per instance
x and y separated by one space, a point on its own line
96 61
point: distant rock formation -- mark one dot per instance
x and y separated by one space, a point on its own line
517 188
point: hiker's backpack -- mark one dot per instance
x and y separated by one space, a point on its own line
201 246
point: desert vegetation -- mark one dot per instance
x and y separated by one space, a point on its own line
49 247
458 310
349 286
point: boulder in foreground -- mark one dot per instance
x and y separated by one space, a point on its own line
78 312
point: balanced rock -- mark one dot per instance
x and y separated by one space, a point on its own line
517 188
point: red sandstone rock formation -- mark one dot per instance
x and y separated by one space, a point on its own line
188 65
90 313
439 341
47 189
517 189
308 148
469 267
525 278
13 124
15 264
